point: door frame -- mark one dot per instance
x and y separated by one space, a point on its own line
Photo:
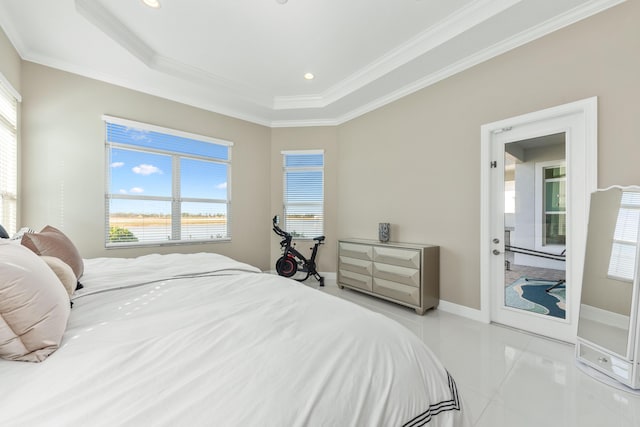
586 161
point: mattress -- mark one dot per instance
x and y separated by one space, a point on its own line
204 340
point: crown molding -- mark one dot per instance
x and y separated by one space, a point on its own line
149 90
303 123
106 22
570 17
453 25
113 28
178 70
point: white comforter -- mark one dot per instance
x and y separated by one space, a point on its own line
233 347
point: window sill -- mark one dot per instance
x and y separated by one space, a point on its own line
158 244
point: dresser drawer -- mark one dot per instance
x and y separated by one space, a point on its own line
349 278
356 265
404 273
353 250
394 273
611 365
396 256
397 291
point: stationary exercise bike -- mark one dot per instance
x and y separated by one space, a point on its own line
291 260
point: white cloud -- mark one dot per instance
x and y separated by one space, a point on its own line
122 191
222 186
117 164
137 190
138 134
144 169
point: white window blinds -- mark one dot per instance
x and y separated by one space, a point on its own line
8 156
304 193
165 186
622 264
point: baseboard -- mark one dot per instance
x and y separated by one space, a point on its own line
462 310
329 276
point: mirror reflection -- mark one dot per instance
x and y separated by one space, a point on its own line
535 219
609 269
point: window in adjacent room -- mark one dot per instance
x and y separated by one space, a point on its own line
622 263
304 193
9 99
555 206
165 186
551 204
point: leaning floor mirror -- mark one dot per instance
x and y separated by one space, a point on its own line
608 341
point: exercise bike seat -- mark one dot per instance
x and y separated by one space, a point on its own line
319 239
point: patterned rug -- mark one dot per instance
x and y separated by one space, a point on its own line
530 294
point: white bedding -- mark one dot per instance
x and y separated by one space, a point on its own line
230 347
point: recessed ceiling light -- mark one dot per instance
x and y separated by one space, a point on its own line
152 3
282 1
309 76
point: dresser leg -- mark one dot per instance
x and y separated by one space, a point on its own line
421 311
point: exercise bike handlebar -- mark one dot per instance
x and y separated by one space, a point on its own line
286 235
279 231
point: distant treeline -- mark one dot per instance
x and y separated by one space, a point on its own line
184 214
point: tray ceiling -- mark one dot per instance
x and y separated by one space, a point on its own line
247 58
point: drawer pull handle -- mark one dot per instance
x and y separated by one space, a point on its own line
603 359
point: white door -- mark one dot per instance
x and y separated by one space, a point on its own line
539 177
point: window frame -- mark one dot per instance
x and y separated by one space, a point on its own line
9 194
540 203
285 170
176 200
616 262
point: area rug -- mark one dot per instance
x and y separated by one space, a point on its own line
530 294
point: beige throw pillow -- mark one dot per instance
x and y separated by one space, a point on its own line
63 271
34 308
52 242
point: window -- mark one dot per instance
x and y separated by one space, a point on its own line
622 263
165 186
554 205
9 99
304 193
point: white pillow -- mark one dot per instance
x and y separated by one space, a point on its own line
34 308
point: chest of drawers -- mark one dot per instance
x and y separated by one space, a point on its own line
408 274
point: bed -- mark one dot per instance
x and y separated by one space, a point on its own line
204 340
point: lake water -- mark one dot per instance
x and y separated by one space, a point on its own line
160 233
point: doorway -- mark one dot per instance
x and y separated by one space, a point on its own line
535 225
538 174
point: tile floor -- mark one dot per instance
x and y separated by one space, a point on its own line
509 378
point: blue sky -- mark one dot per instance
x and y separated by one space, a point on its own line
150 174
134 172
